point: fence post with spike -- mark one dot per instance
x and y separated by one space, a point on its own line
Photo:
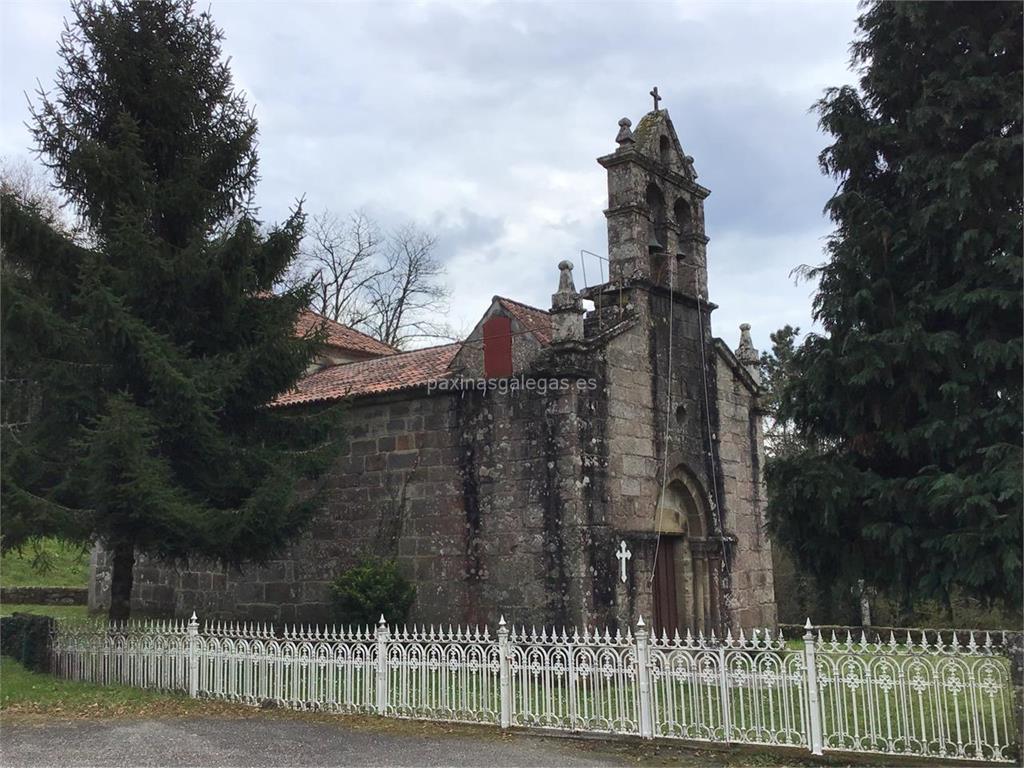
504 674
815 738
193 656
382 665
723 684
1012 647
643 674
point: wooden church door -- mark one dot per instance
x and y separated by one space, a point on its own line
666 601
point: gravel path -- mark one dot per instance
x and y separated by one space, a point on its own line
277 742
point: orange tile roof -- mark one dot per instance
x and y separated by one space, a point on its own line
401 370
341 336
537 321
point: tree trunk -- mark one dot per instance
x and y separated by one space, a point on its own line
121 577
865 605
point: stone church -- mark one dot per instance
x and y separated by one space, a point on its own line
588 463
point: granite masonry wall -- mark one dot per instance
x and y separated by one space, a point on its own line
741 447
477 494
43 596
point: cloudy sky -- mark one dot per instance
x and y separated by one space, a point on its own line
482 121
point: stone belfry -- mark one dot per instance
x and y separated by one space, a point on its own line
655 207
662 371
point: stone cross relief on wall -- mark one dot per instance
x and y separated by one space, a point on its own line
623 555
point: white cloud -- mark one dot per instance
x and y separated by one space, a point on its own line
746 281
483 120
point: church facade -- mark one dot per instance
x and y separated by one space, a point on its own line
585 464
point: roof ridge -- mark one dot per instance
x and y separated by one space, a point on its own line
522 304
347 327
389 373
418 349
382 358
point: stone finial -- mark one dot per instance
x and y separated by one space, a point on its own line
566 307
566 297
747 354
688 166
565 283
625 137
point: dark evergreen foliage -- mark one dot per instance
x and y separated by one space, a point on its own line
776 369
910 401
26 637
369 590
153 345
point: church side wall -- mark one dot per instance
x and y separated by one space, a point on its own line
741 449
479 496
394 491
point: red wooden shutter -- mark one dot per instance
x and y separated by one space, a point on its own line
498 347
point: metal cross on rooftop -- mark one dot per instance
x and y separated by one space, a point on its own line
656 97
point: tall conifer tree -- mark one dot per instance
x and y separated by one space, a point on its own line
149 351
910 400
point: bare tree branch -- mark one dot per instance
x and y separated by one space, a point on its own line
389 286
409 299
32 186
340 257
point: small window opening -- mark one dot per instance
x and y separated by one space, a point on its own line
665 147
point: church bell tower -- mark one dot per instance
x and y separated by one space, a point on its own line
655 208
661 371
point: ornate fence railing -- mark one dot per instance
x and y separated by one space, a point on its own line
922 698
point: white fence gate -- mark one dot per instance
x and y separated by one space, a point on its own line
914 698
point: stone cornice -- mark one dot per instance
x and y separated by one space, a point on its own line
643 283
631 155
626 208
611 332
737 367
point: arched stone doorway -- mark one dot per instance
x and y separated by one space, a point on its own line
686 569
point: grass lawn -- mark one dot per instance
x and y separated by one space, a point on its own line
32 697
31 693
49 563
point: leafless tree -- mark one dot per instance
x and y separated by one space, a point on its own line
409 299
30 184
30 187
341 257
389 285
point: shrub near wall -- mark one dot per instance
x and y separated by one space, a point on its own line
26 637
373 588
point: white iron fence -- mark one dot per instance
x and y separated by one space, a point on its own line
925 698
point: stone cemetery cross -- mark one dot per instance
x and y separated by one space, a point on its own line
656 97
623 554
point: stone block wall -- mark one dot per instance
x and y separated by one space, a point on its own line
741 447
393 491
43 595
477 494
